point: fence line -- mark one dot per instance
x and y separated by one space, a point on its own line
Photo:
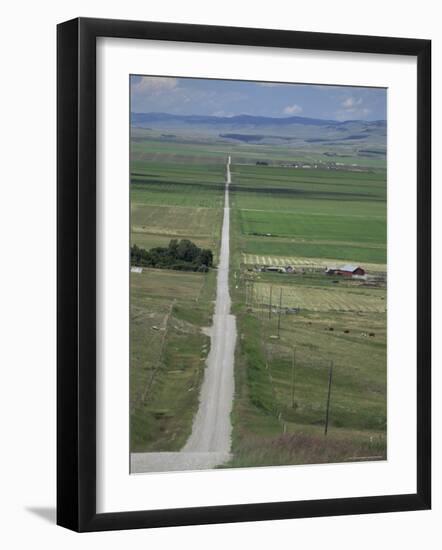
144 395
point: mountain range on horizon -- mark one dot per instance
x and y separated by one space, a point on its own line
328 135
140 119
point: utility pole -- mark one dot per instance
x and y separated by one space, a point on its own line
293 377
270 304
279 310
330 376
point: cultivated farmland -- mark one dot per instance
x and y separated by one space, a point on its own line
291 327
319 299
172 197
302 262
291 212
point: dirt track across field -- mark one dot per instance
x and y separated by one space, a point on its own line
210 441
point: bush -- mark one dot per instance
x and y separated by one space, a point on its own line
183 255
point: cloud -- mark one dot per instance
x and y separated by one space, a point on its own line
182 96
269 84
351 103
352 108
157 93
292 109
155 85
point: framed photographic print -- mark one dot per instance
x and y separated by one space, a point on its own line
243 274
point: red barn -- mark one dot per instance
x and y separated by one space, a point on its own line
349 270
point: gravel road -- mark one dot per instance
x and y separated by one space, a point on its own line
210 441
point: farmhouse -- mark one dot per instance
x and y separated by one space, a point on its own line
347 270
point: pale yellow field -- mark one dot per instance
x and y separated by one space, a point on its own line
321 299
297 261
175 221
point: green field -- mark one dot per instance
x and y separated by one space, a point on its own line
169 309
309 219
199 147
282 389
293 212
172 198
280 215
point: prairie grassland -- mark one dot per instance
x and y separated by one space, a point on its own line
168 353
282 381
312 219
174 198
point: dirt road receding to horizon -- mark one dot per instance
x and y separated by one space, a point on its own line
210 441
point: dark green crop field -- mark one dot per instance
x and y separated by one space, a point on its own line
336 214
177 184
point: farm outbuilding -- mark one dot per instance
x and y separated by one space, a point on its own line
347 270
274 269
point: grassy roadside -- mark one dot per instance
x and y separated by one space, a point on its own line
276 422
168 354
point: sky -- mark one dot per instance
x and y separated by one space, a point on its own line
192 96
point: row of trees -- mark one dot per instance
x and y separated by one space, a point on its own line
183 255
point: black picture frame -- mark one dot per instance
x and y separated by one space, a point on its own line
77 287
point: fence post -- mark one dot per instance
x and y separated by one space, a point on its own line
293 377
330 376
279 311
270 304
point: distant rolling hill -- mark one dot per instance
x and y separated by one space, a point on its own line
296 130
140 119
166 119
